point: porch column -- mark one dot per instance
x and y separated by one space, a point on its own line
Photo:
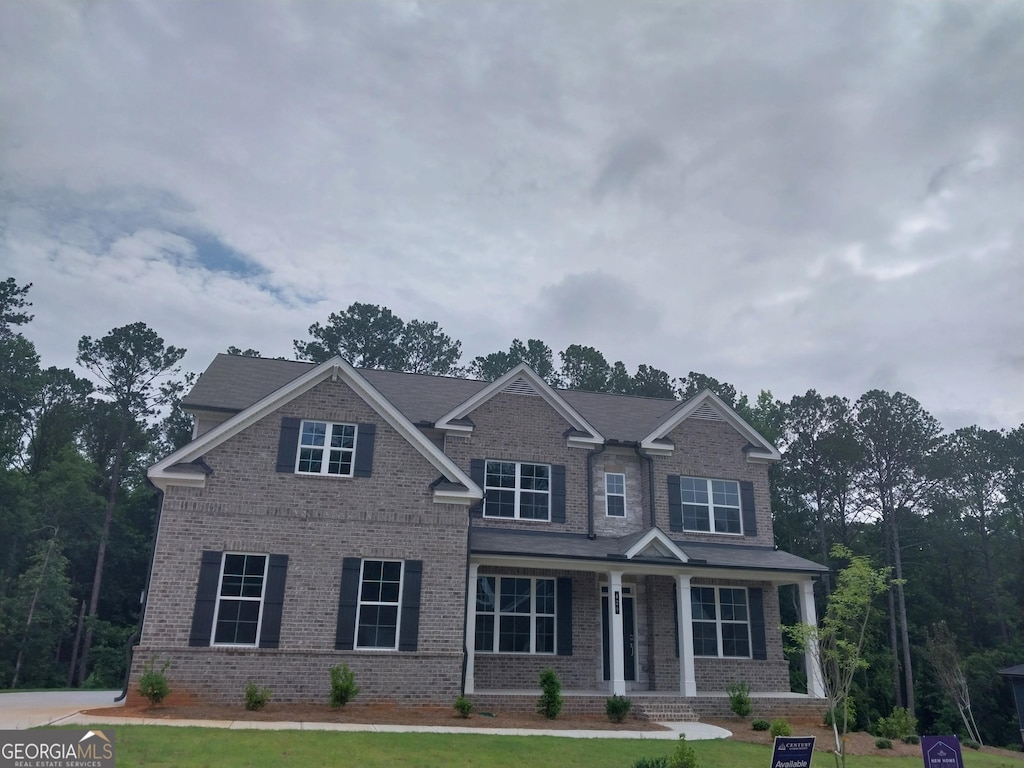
471 628
687 676
815 681
616 657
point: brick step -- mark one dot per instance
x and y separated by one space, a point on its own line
667 710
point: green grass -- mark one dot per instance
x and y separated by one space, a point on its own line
158 746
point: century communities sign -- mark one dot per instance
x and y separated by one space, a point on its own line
56 749
792 752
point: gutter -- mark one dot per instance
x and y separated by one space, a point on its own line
590 489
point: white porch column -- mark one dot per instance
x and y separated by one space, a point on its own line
815 681
616 657
471 627
687 676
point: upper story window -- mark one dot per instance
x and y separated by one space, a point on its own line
514 489
240 599
380 593
615 494
711 505
721 622
515 615
326 449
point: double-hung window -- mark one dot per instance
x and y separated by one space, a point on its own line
721 622
615 494
326 449
380 594
515 489
711 505
515 615
240 599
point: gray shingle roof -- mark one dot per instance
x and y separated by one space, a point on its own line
232 383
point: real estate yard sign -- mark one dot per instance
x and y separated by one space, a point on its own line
941 752
792 752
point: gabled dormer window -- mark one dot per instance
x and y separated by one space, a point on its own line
326 449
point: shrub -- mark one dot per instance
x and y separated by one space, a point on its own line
152 683
739 698
651 762
463 706
913 739
883 743
256 698
760 724
617 708
851 713
971 743
897 725
780 727
343 685
550 702
684 756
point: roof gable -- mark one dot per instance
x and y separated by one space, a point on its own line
707 405
457 488
655 543
522 380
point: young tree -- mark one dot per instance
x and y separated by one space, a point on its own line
945 659
837 645
130 363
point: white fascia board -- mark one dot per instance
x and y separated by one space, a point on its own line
544 390
765 451
656 534
334 368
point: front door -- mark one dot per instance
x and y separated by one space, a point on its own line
628 635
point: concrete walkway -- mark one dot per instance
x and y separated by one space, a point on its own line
28 710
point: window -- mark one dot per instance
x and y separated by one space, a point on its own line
240 599
721 622
515 489
515 615
380 591
710 505
615 494
326 449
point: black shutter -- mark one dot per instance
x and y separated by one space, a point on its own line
413 579
273 601
563 615
675 504
206 599
558 493
476 474
365 436
288 444
348 601
758 647
747 507
675 614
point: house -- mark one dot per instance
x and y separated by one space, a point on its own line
443 535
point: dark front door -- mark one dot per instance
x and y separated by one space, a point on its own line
628 635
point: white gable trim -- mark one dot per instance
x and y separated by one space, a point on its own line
658 538
542 389
761 450
162 473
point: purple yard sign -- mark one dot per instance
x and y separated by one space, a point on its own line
792 752
941 752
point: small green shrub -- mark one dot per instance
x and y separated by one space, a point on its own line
760 724
153 683
883 743
652 762
971 744
912 739
684 756
463 706
343 685
256 698
780 727
739 698
617 708
851 713
897 725
550 702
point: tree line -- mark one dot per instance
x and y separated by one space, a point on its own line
942 511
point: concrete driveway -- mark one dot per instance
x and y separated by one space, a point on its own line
28 710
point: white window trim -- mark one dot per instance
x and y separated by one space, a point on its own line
608 494
719 621
518 490
711 505
325 460
398 605
229 598
497 613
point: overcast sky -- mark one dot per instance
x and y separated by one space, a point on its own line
783 195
